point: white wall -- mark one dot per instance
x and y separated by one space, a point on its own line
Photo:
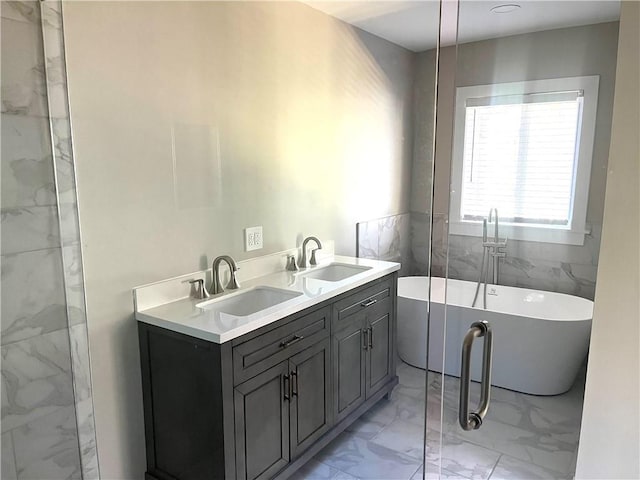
610 436
194 120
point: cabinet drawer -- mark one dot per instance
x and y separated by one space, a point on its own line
262 352
362 301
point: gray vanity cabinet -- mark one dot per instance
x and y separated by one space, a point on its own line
311 412
259 406
281 412
362 345
349 358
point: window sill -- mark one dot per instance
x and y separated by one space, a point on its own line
520 232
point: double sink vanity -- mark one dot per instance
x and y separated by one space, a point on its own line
252 382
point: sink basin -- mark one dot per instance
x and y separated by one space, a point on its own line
334 272
250 301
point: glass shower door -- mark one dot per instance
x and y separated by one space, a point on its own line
523 130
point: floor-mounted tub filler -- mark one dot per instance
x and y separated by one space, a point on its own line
540 339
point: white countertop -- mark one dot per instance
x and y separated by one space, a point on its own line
184 316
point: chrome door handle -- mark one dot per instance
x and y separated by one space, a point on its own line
473 420
365 341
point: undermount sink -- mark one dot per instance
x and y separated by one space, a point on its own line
334 272
247 302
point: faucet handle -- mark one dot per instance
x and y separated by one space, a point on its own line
292 266
201 289
313 260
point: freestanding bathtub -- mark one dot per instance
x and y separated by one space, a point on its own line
540 339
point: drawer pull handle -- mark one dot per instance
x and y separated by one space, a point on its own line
368 303
295 339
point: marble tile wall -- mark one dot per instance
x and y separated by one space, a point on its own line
386 238
542 266
47 412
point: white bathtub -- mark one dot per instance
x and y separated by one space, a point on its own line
540 339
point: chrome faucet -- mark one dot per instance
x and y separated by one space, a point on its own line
490 248
313 260
495 247
233 268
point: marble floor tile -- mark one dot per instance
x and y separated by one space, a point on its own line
314 470
460 458
33 301
551 451
434 473
403 437
48 447
509 468
523 434
364 459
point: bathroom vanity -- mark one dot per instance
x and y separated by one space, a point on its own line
255 396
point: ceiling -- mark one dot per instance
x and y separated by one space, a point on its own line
414 24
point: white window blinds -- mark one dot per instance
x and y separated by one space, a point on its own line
520 154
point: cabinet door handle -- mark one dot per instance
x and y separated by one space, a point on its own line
370 335
295 339
294 383
365 341
286 386
369 302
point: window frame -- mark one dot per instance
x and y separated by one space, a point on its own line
575 231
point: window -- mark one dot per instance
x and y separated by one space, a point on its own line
524 148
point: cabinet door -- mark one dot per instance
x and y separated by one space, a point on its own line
261 408
379 352
310 395
349 368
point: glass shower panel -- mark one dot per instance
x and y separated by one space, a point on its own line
522 144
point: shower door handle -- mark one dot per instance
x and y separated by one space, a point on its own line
473 420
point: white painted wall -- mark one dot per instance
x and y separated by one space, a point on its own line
194 120
610 436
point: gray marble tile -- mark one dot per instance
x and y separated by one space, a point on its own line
21 11
314 470
62 149
33 300
69 226
87 439
434 473
8 458
368 239
79 344
29 228
23 87
459 457
389 237
36 378
48 447
27 168
402 436
509 468
74 284
364 459
551 451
